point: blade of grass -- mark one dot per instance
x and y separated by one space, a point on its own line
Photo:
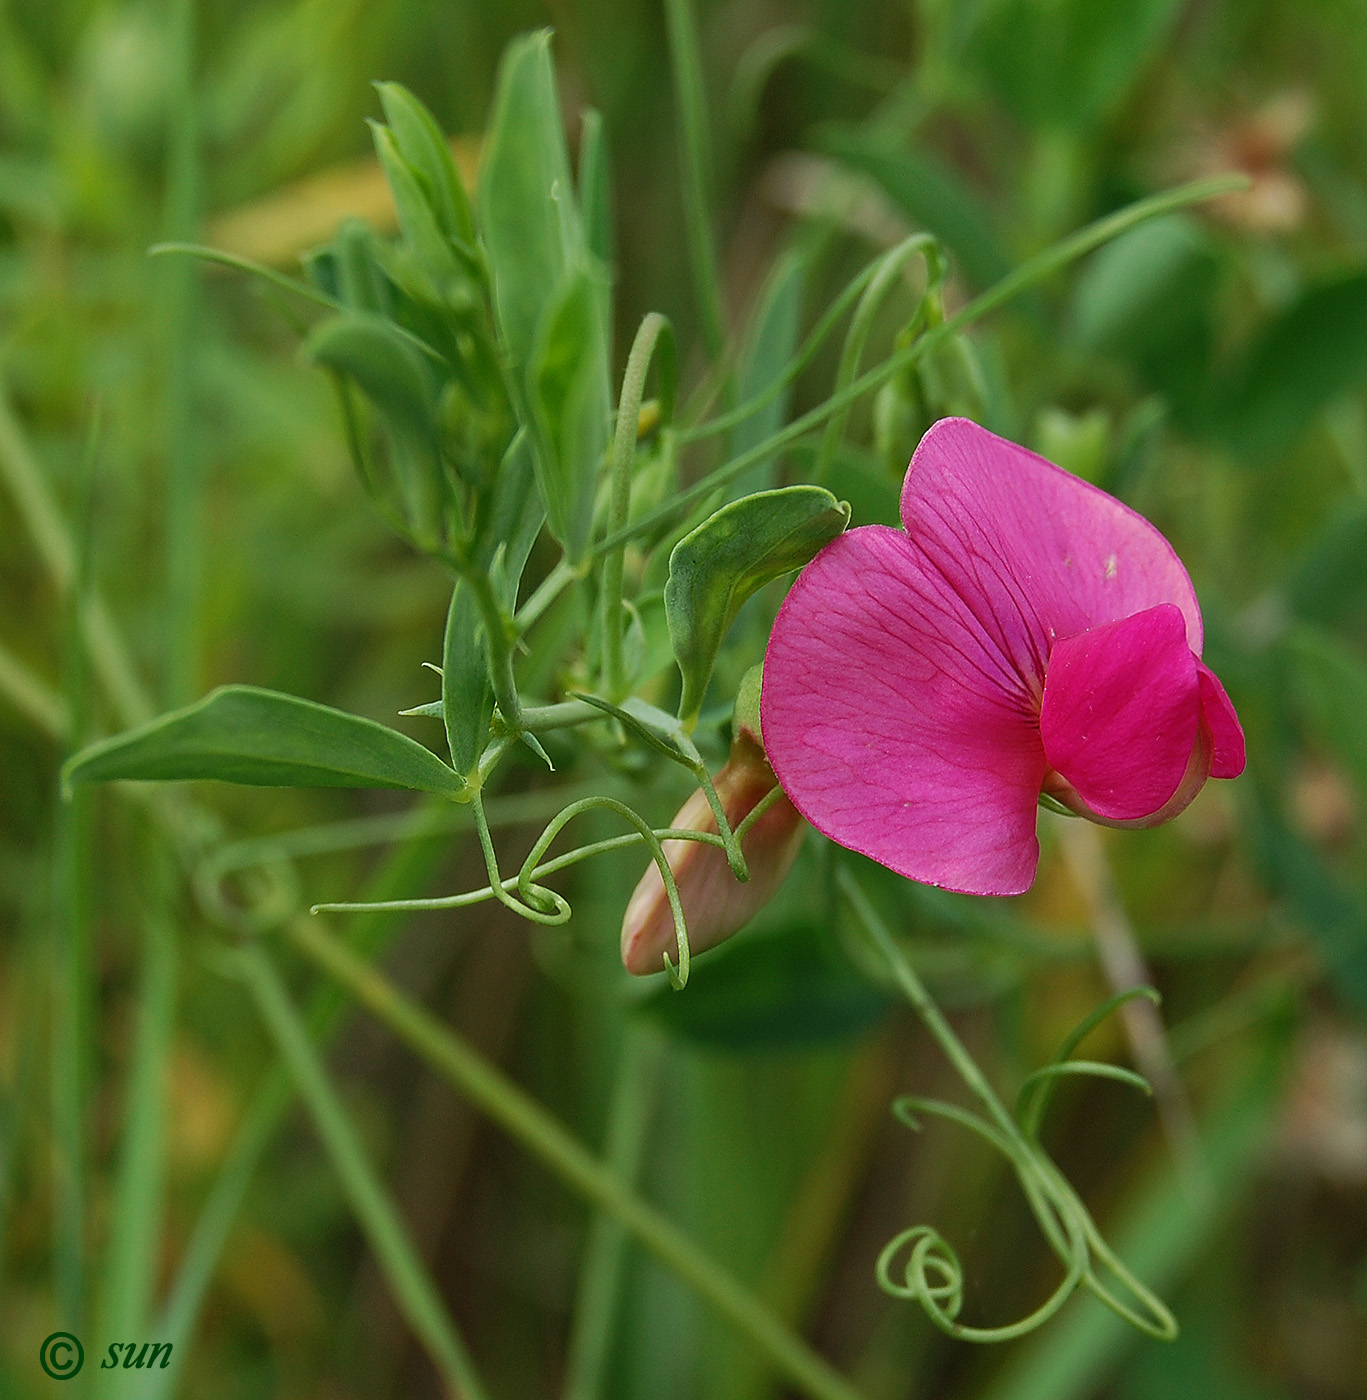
179 334
605 1253
31 696
375 1211
109 660
133 1256
73 865
696 156
540 1133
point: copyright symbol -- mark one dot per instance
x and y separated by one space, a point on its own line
61 1356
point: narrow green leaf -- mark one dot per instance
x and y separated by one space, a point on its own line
662 731
382 361
571 409
769 347
414 1293
430 245
467 698
423 146
391 372
528 215
595 187
714 569
932 194
241 734
1137 292
513 517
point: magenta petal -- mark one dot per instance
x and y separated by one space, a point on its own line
1034 552
897 725
1120 713
1226 733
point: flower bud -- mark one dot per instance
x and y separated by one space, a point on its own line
715 903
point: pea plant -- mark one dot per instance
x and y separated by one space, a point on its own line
601 536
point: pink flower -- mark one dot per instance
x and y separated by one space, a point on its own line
715 903
1027 633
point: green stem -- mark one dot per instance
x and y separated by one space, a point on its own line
408 865
43 520
678 976
915 991
620 458
549 867
547 591
532 1126
32 697
376 1212
695 153
1062 1217
557 912
1034 270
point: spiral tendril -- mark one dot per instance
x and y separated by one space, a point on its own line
932 1274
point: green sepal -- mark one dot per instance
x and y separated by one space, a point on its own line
243 734
718 566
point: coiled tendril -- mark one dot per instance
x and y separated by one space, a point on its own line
919 1263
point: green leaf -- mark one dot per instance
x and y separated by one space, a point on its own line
467 698
1305 358
241 734
571 409
1135 291
1067 62
595 187
1149 296
386 365
430 246
932 194
427 152
392 373
528 214
715 568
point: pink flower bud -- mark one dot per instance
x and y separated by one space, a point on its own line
715 903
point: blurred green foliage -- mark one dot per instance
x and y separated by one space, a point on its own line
1210 368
